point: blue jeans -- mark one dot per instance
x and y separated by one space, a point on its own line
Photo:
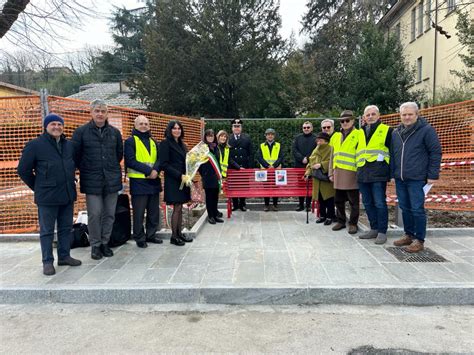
47 216
411 200
374 199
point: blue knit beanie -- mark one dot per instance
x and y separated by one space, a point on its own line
52 118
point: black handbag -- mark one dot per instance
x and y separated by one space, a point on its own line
319 175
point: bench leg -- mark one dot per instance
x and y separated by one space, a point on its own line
229 208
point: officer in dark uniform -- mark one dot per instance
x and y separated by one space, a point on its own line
241 152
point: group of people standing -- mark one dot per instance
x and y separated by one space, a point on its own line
342 164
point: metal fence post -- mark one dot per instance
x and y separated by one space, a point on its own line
44 103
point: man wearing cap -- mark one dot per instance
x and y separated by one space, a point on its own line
47 167
342 171
270 155
141 160
241 152
373 172
303 146
99 151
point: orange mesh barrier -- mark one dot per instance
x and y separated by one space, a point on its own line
454 124
20 121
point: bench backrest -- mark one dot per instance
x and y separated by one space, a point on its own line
241 183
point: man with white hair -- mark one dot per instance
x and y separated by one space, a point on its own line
415 159
373 172
99 151
141 161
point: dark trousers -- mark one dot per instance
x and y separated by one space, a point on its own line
308 201
267 201
212 198
375 203
326 207
340 199
150 204
48 216
411 200
238 202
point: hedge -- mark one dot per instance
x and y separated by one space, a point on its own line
286 131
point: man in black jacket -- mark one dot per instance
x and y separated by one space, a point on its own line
303 146
141 160
99 151
241 152
47 167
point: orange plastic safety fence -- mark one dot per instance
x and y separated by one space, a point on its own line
454 124
20 121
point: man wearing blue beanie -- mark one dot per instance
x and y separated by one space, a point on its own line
47 167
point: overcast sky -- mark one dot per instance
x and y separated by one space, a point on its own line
95 31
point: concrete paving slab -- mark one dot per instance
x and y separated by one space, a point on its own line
253 258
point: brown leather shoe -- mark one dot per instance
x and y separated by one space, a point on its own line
405 240
352 229
338 226
414 247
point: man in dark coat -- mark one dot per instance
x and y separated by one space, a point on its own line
303 146
141 161
47 167
241 152
415 160
99 151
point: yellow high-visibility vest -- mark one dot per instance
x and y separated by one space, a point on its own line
270 158
143 156
224 161
345 154
376 147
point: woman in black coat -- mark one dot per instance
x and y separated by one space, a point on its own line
210 179
173 162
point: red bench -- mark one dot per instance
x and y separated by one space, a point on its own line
241 183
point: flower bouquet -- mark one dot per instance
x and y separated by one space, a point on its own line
194 158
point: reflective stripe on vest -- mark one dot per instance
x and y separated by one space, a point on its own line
345 154
270 159
370 152
224 161
143 156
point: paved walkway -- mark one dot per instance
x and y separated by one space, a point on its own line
248 259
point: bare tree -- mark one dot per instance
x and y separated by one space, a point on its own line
35 24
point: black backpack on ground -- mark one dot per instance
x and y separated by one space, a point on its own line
122 229
80 236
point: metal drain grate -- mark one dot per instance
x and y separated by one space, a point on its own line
425 256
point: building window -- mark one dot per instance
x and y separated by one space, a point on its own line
451 5
419 69
420 18
397 31
413 24
428 15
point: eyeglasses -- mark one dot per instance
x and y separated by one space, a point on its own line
326 127
307 127
346 120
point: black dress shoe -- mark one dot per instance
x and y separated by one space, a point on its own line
185 238
96 253
235 208
328 221
218 220
299 209
69 261
48 269
177 241
321 220
106 251
142 244
219 214
154 240
243 208
211 220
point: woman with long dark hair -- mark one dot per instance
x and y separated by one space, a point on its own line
173 162
210 174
